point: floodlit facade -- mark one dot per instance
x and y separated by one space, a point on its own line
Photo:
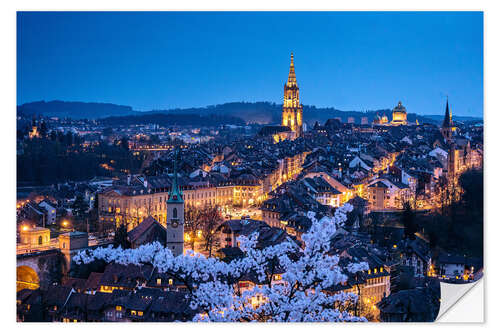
399 115
292 109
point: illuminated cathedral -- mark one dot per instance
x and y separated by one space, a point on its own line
292 109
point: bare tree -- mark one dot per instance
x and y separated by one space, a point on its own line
193 223
209 219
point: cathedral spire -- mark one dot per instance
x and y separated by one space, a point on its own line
292 80
292 109
447 122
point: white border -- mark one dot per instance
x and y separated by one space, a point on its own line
8 87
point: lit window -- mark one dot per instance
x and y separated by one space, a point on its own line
118 308
170 281
133 312
140 313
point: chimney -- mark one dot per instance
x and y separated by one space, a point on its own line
129 178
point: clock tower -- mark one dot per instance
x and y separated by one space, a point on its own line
175 216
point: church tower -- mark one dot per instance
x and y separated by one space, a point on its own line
175 216
447 129
292 109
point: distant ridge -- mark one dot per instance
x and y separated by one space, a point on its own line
74 110
248 112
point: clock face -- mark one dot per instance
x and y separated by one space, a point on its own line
175 224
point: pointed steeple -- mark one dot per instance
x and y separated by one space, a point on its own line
175 194
447 122
292 80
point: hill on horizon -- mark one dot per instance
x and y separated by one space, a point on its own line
74 110
248 112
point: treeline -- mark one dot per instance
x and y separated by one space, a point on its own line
458 227
74 110
226 113
61 157
173 119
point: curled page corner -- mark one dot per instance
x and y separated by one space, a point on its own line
462 302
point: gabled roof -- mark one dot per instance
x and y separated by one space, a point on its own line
143 227
379 184
269 130
172 302
57 295
75 283
125 275
93 280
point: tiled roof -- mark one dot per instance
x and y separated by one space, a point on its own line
143 227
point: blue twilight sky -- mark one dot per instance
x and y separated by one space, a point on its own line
348 60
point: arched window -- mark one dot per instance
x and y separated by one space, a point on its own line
174 213
40 240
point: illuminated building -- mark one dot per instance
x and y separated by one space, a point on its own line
383 193
35 236
346 194
380 120
34 132
292 109
70 244
384 119
399 115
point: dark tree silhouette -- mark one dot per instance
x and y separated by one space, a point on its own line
408 221
121 238
43 129
124 143
80 207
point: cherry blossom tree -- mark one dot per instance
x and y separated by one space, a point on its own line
306 274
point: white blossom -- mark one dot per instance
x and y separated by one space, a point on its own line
306 273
